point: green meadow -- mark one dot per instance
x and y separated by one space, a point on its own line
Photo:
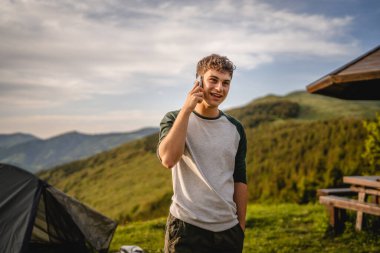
270 228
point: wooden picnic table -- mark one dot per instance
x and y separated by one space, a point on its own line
363 187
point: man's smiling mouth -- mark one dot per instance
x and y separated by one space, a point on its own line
216 95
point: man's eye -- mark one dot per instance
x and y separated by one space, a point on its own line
213 80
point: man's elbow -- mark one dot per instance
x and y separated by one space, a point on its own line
168 160
168 163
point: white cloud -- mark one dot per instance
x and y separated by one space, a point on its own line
91 47
55 52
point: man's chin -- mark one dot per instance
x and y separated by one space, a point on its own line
213 105
210 103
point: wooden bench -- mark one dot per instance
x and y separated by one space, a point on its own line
336 192
337 206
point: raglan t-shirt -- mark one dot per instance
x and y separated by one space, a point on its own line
204 177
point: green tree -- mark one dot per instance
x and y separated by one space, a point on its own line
372 144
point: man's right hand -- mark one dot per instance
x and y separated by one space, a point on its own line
194 97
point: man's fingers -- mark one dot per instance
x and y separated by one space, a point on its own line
195 95
196 89
199 96
196 85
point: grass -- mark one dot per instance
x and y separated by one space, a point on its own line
270 228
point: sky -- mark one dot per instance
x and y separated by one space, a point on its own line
119 65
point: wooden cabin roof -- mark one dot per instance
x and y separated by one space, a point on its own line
356 80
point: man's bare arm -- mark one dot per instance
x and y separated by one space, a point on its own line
173 145
241 200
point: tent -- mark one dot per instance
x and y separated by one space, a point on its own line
36 217
356 80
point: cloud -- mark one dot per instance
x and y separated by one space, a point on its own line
102 44
53 53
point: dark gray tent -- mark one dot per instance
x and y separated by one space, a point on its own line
36 217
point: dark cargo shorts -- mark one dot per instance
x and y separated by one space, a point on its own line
182 237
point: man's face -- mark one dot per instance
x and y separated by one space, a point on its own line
216 86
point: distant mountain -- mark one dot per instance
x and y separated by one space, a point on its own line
9 140
296 144
37 154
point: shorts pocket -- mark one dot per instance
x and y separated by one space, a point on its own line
174 227
240 230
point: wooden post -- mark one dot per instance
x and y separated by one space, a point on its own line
376 199
359 216
333 213
337 218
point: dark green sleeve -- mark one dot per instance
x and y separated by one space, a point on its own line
240 173
165 125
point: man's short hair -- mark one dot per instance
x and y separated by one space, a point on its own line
215 62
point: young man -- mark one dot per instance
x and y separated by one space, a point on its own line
205 150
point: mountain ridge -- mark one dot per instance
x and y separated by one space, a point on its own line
9 140
41 154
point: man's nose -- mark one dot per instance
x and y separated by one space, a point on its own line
219 85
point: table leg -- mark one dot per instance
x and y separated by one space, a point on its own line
359 215
376 199
337 218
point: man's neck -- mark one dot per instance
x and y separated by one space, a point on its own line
208 112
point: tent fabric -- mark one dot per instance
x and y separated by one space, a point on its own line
18 193
36 217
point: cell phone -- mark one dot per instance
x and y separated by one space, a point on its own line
200 81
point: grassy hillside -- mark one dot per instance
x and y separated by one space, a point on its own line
318 107
288 162
125 183
285 228
294 148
